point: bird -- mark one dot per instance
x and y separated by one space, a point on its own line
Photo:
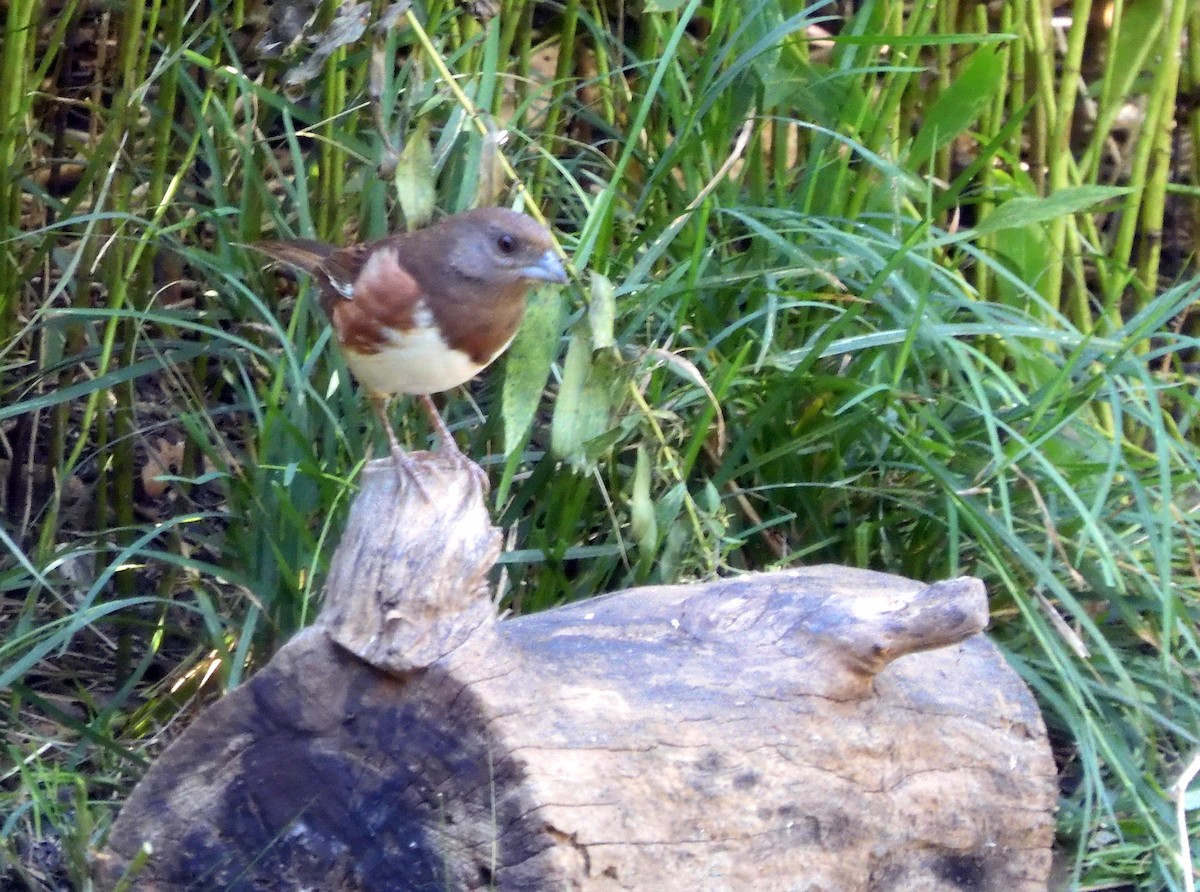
423 311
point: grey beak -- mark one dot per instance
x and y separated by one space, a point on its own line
547 268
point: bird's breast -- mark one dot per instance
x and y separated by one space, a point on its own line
417 361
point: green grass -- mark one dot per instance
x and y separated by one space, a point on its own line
892 301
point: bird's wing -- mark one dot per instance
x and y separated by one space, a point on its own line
343 266
303 254
371 295
367 290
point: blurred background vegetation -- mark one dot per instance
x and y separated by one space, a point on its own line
900 286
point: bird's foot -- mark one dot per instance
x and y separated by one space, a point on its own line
408 472
478 475
450 446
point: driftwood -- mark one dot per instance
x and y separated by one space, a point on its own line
756 733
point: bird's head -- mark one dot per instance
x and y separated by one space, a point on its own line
501 247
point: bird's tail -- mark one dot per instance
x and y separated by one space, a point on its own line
302 253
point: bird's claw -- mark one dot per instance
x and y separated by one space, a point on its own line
407 472
478 475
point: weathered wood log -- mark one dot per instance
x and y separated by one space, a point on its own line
814 729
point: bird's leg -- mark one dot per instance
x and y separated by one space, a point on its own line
406 469
435 418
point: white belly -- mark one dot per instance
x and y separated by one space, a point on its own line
418 362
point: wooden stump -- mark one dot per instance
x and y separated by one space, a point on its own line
756 733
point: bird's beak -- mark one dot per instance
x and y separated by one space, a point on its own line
547 268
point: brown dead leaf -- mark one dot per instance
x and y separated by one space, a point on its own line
163 457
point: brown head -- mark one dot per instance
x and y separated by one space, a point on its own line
495 247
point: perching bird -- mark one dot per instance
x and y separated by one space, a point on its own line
425 311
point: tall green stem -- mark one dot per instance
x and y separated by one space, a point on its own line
14 97
1163 92
1059 160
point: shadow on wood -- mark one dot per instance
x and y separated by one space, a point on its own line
756 733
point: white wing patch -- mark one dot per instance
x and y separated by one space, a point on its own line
422 315
345 289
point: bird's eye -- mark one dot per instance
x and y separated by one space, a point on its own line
506 243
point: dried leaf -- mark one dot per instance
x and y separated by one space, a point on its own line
491 171
288 23
164 457
390 17
348 26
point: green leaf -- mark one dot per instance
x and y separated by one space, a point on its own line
602 312
527 366
565 439
761 39
642 523
414 178
663 5
1030 209
957 109
1141 26
1191 800
1025 250
668 509
585 404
